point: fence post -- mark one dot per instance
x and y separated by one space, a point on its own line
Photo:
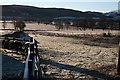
31 51
31 39
30 62
30 68
118 68
32 71
36 74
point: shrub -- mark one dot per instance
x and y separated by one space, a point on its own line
107 34
104 35
19 25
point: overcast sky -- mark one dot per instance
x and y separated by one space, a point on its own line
82 5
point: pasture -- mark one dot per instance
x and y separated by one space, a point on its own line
75 53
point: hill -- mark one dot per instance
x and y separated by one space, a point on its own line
30 12
114 14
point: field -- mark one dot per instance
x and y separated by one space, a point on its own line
75 53
74 58
31 26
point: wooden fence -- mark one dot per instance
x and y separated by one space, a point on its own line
33 71
118 67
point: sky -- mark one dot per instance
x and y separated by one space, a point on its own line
82 5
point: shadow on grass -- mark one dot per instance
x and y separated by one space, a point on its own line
12 69
105 42
94 40
92 73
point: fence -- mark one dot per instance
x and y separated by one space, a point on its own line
118 68
32 71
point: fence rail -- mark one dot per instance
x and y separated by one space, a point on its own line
32 64
118 67
32 70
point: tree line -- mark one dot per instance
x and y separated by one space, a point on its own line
66 24
88 24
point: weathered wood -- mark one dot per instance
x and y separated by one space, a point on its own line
31 39
36 74
31 51
32 63
36 50
30 68
32 71
118 68
25 77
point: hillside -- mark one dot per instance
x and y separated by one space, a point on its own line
25 12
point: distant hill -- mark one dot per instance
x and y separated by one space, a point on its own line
114 14
30 12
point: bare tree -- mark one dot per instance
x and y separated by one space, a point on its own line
67 24
59 25
4 24
19 25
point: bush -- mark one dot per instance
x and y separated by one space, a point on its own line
19 25
107 34
104 35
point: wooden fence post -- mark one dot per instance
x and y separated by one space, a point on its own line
36 74
118 67
31 39
31 51
33 70
30 68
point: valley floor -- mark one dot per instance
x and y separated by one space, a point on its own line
68 57
73 58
